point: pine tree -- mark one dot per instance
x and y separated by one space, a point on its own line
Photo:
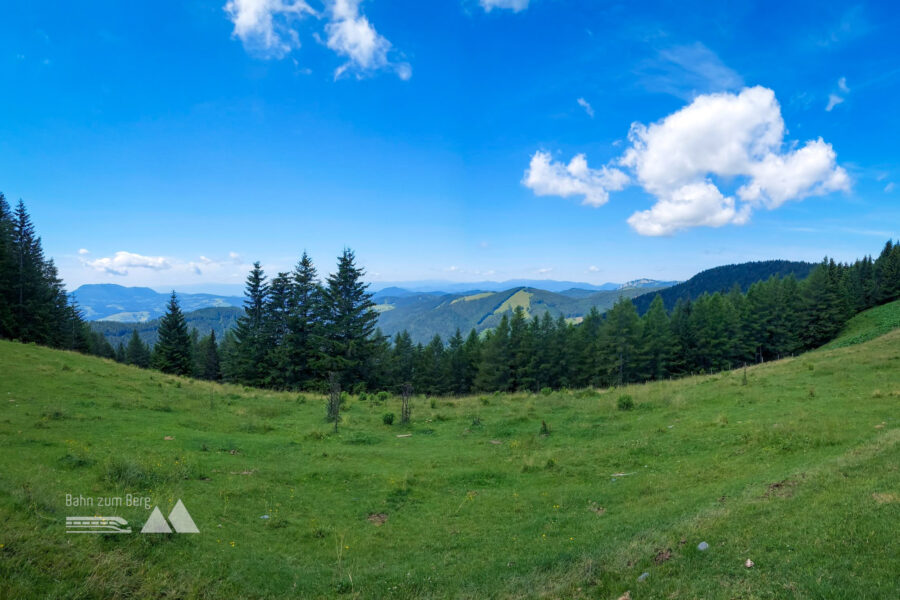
621 334
7 269
120 353
349 322
209 358
136 352
658 342
305 336
172 352
403 360
494 371
249 346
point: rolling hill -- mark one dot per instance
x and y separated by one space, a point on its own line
793 467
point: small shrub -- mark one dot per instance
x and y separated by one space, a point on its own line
363 397
433 403
382 396
545 391
551 463
625 402
387 418
476 421
301 399
545 429
812 392
484 400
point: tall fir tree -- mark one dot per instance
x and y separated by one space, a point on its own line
658 341
349 323
172 352
136 352
245 359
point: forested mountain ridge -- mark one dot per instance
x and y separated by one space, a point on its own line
204 320
425 315
722 279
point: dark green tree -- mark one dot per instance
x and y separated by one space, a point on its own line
136 352
172 352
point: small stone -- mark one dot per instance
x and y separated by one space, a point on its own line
264 517
169 438
643 576
702 546
749 564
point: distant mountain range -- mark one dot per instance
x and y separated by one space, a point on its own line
111 302
549 285
425 312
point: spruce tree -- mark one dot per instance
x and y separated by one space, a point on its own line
209 358
349 322
249 346
136 352
304 339
172 352
658 341
495 369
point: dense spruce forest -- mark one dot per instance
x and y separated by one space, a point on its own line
298 332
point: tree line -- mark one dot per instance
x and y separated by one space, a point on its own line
300 333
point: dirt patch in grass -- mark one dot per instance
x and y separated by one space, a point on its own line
662 556
780 489
377 519
885 498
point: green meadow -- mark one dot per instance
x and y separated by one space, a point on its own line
790 464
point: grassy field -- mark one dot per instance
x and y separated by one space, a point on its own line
794 467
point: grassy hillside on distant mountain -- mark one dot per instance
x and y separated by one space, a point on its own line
424 315
204 320
722 279
111 302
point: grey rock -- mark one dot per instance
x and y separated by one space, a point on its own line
702 546
643 576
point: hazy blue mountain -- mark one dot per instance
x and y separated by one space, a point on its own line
111 302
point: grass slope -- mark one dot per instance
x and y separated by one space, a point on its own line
796 470
868 325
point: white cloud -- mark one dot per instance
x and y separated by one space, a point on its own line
586 106
545 177
593 269
724 136
718 141
119 263
350 34
235 257
889 187
513 5
544 271
266 27
83 251
842 85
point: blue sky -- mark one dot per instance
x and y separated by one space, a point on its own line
171 144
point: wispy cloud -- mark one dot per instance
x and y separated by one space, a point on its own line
839 95
586 106
513 5
686 71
